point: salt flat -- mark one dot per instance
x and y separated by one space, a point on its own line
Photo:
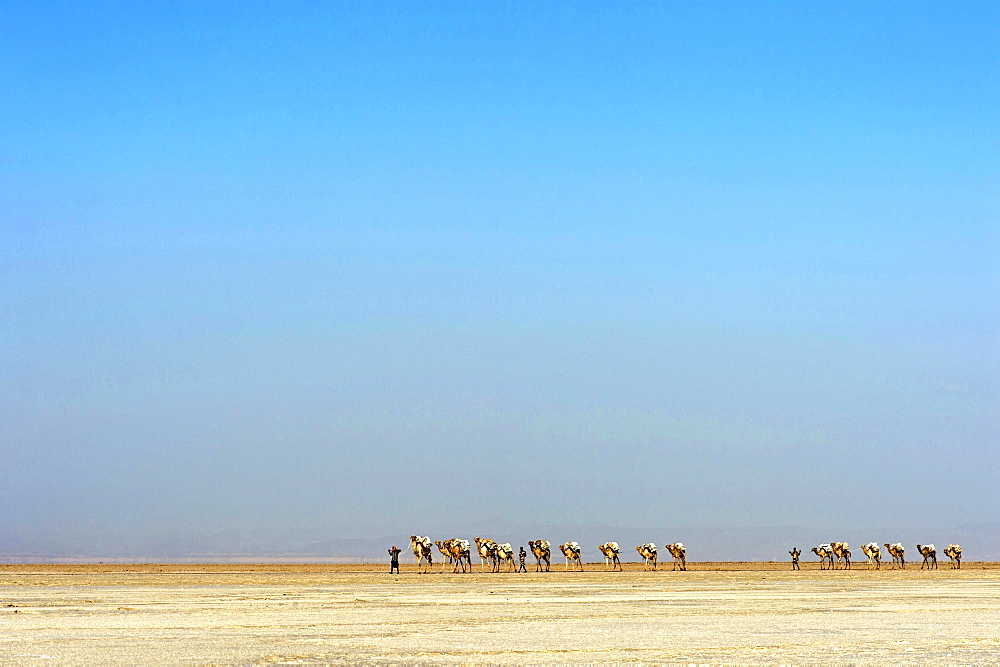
715 612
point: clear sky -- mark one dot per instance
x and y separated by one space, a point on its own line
376 268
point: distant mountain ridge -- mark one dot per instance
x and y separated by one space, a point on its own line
980 541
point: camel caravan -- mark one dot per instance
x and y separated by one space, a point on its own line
496 557
677 551
500 557
837 555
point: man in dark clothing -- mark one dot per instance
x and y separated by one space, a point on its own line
394 560
522 555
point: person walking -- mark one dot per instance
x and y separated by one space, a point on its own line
394 560
522 555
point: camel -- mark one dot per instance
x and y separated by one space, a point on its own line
463 551
610 551
457 553
825 552
795 553
444 546
505 556
422 551
678 553
648 553
543 554
874 555
571 551
842 552
954 554
898 554
487 549
930 556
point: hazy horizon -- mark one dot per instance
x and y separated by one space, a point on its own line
980 542
390 268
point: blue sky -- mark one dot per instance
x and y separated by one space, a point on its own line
368 268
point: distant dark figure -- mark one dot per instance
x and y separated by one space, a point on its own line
394 560
795 552
522 555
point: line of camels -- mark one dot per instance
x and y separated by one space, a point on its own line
457 552
838 554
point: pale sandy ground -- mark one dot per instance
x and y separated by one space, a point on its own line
714 613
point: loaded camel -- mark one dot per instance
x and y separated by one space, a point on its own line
542 550
444 546
571 551
825 553
610 551
898 554
487 549
842 552
459 553
422 551
954 554
505 556
648 553
930 556
874 555
678 554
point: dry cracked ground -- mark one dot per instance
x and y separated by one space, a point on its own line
713 613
